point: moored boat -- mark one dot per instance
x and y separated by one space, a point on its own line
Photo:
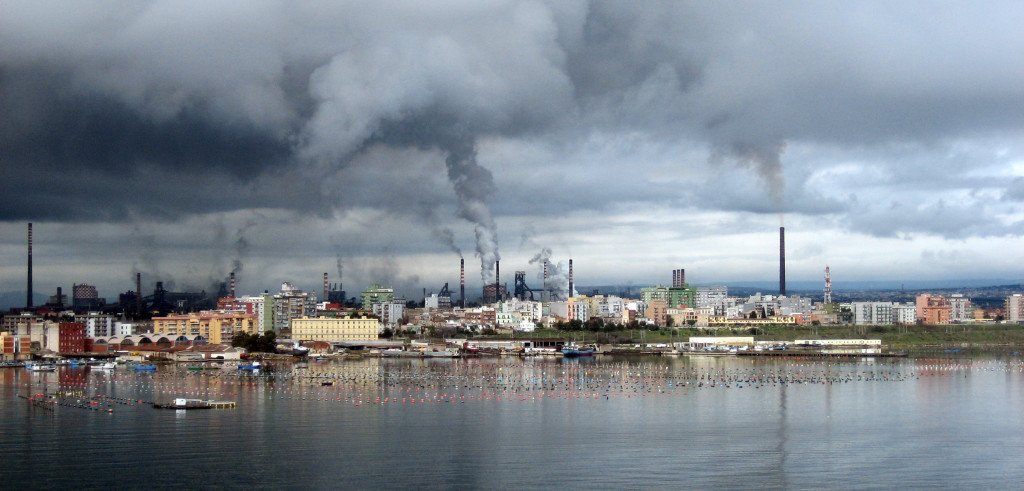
252 366
573 350
38 367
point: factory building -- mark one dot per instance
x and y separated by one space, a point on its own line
86 297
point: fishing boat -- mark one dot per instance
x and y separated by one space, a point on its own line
573 350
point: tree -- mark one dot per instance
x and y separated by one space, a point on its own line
256 343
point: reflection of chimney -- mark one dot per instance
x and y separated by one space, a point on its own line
138 293
782 260
570 279
232 285
28 303
462 281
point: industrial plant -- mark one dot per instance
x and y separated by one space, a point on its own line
299 316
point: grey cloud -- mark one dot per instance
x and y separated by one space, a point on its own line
152 110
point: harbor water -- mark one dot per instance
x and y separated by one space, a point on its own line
942 421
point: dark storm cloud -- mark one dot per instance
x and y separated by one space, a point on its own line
102 106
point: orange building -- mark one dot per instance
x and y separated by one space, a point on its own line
215 327
933 309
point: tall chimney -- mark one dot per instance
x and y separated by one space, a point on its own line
138 293
462 281
28 302
570 279
782 261
497 280
326 287
232 292
544 285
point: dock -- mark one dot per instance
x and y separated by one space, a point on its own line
195 404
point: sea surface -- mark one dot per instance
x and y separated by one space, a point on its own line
698 422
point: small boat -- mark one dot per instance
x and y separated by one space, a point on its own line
107 366
145 368
252 366
36 367
573 350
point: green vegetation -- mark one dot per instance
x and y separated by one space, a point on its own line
256 343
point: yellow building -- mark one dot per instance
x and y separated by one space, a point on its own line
335 329
216 327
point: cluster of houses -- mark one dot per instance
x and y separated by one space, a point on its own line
296 315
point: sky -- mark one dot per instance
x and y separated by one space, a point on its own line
381 141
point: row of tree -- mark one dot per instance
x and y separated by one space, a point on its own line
256 343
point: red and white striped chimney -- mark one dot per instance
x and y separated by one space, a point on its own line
326 287
232 284
462 280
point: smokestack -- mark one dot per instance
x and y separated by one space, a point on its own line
326 287
28 302
782 261
497 280
232 291
138 293
544 285
678 278
570 279
462 281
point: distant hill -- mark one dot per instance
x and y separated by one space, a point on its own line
9 300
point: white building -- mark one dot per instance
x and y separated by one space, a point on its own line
524 309
1015 308
795 305
711 296
97 324
904 314
259 306
292 303
390 312
873 313
526 326
960 308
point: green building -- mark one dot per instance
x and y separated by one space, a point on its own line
673 296
376 294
